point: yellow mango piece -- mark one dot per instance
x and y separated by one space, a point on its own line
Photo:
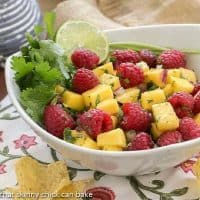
106 68
168 90
110 106
90 143
143 65
197 118
155 132
196 169
115 137
112 148
165 117
96 95
59 89
79 137
111 80
181 85
174 73
155 76
73 100
114 121
129 96
152 97
115 72
188 74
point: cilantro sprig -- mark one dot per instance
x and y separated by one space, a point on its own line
40 67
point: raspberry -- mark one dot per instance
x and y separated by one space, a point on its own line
56 120
197 103
149 57
84 80
122 56
95 122
172 59
141 141
84 58
171 137
134 117
182 103
196 88
189 128
130 75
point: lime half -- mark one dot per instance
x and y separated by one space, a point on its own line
76 34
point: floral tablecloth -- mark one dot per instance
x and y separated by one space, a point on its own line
17 140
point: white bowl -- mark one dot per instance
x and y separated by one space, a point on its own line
129 162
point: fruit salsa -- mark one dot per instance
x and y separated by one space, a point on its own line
127 100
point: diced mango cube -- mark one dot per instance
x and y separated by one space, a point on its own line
181 85
96 95
168 90
111 80
165 117
152 97
112 148
155 76
73 100
188 74
110 106
115 72
174 73
59 89
114 121
155 132
197 118
90 143
129 96
143 65
76 137
115 137
106 68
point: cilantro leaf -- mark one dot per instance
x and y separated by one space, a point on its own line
33 42
68 136
49 20
21 67
46 74
38 29
35 99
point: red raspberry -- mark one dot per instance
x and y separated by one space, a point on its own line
149 57
122 56
95 122
172 59
171 137
135 118
84 58
141 141
130 75
196 88
83 80
197 103
189 128
182 103
56 120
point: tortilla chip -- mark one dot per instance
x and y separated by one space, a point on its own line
39 179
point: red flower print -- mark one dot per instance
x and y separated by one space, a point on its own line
1 133
187 166
2 169
25 141
101 193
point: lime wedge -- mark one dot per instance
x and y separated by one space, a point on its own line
77 34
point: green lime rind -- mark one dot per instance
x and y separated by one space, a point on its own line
77 34
139 46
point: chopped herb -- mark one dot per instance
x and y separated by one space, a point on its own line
98 100
151 86
126 81
149 100
68 136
